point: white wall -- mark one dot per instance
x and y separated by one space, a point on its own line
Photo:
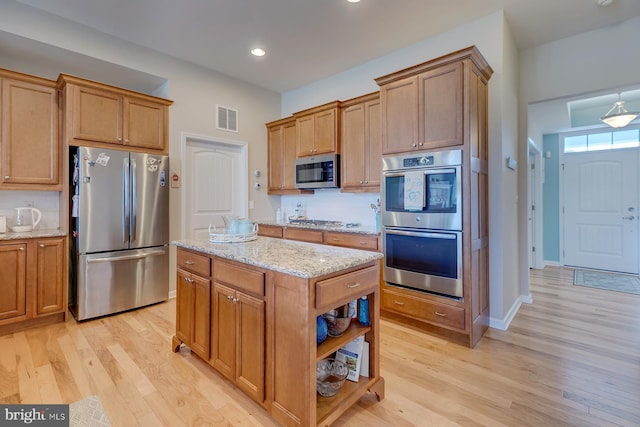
194 90
494 41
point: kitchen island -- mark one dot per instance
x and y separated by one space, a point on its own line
249 310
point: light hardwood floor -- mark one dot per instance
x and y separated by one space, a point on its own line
571 358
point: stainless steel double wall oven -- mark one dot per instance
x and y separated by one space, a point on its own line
422 221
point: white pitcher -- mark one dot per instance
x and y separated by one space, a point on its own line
26 219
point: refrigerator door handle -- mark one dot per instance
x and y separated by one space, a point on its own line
134 199
125 257
125 191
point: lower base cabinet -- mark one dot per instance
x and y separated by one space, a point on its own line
33 283
237 339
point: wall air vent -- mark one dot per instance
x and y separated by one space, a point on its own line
227 118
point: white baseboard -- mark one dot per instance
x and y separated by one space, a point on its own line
552 263
503 324
172 294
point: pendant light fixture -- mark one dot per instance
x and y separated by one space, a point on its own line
618 116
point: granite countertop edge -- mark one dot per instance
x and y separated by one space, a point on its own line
360 229
300 259
10 235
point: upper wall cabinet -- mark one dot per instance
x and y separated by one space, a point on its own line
281 140
318 130
29 139
423 107
361 147
97 114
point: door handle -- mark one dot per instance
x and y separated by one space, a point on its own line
630 217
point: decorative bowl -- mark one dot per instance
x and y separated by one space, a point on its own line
330 376
321 330
336 323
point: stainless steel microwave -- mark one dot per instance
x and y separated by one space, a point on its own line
321 171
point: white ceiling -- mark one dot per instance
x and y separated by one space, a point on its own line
307 40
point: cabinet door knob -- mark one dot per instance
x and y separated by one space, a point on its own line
366 182
7 177
42 245
229 297
421 144
414 145
21 249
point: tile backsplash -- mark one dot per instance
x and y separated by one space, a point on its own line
46 201
333 205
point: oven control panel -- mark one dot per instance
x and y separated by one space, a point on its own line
417 161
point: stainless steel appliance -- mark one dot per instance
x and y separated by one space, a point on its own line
422 221
120 231
321 171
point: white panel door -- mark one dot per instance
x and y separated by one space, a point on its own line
601 210
215 185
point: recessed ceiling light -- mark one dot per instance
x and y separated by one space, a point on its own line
604 3
258 51
353 1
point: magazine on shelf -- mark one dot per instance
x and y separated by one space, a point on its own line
351 355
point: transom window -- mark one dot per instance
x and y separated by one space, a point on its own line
597 140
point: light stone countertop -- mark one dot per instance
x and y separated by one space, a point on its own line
301 259
369 230
52 232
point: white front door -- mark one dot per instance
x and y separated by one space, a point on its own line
214 183
601 210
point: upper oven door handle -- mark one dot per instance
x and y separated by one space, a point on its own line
447 236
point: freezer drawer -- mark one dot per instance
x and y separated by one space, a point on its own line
111 282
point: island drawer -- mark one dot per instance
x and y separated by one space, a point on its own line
193 262
270 231
348 286
239 277
352 240
440 314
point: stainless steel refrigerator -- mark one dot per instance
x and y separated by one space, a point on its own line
119 223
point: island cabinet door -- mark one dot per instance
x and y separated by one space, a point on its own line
184 303
250 349
223 330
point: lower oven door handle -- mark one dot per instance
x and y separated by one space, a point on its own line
420 234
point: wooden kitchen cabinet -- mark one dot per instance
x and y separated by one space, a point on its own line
238 327
361 144
98 114
193 299
445 103
318 130
50 285
29 139
33 282
281 140
422 106
13 281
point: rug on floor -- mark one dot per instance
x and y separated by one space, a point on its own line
610 281
88 412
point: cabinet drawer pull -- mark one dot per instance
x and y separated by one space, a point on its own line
189 262
354 285
7 177
188 280
335 239
441 314
398 303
